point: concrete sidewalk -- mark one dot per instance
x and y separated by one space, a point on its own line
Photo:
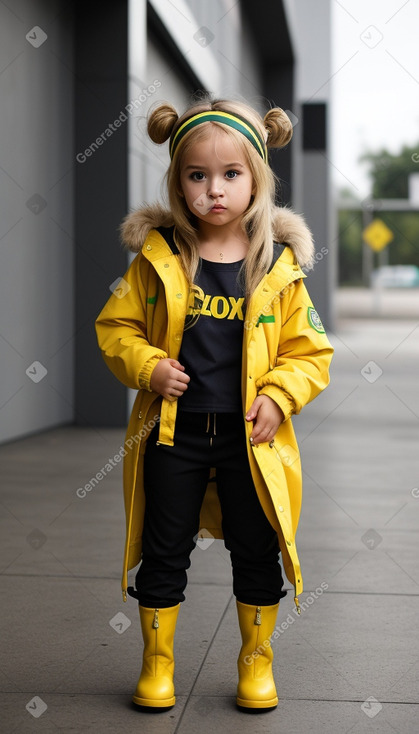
71 649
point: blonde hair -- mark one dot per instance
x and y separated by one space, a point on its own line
276 129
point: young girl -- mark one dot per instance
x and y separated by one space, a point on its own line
214 327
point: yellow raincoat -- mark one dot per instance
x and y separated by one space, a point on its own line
286 355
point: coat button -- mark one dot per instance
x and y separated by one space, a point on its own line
289 542
148 247
178 295
166 265
178 337
140 415
280 508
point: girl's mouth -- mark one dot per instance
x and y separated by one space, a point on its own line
218 208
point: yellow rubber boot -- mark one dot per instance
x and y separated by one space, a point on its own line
256 688
155 686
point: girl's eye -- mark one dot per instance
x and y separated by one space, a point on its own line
199 175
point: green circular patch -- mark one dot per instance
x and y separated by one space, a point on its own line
314 320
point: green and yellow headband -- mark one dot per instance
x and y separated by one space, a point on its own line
234 121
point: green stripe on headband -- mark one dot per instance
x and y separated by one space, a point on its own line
234 121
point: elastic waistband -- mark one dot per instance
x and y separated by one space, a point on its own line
205 420
191 415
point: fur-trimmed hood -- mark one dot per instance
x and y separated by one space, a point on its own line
288 227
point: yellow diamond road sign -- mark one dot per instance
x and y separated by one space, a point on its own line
377 235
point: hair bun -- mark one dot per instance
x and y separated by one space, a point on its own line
279 128
161 122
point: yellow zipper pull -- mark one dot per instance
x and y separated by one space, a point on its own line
258 618
297 605
124 595
156 619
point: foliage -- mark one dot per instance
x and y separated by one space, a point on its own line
389 175
350 247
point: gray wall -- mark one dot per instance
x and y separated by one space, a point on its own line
310 27
36 223
101 198
60 216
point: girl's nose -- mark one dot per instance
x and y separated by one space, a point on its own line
215 187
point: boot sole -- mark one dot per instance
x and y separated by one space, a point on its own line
244 703
150 703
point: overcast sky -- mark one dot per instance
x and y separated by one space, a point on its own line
375 87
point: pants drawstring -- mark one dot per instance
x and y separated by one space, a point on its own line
214 429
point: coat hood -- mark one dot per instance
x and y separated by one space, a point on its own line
288 227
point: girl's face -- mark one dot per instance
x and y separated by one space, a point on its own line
216 179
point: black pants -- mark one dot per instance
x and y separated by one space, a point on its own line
175 480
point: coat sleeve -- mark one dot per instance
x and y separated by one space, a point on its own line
304 354
121 328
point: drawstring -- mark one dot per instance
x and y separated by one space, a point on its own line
214 430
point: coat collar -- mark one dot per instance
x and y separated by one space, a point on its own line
167 234
283 270
288 227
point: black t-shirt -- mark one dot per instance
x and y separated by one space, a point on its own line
211 350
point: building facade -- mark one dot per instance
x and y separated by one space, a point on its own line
76 83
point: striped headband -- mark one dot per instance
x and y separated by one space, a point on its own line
234 121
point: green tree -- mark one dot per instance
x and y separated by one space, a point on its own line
389 175
350 247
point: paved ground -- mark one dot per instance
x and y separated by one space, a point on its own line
349 663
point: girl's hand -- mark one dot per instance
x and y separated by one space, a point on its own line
168 378
267 415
